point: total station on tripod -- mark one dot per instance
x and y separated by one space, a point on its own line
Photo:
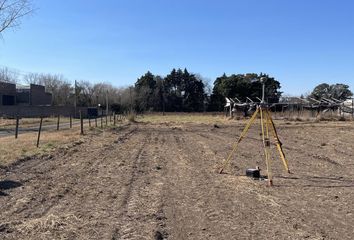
268 129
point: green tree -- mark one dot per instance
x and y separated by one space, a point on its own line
337 91
193 93
242 86
217 99
159 94
145 89
173 86
184 91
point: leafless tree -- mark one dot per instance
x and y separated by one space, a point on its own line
84 92
32 78
54 83
12 11
8 75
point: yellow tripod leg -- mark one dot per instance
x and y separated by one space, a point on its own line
243 134
266 144
270 173
278 143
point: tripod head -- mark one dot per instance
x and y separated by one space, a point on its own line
262 80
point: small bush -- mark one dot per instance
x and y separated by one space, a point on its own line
131 117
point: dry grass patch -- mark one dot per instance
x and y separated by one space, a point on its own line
131 117
13 149
49 223
184 118
32 122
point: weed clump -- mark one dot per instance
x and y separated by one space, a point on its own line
131 117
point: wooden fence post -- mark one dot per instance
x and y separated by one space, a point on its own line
71 121
39 131
114 118
96 121
106 119
58 122
90 121
17 123
101 121
81 124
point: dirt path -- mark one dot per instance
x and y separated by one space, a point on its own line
148 181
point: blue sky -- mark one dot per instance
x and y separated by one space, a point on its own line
301 43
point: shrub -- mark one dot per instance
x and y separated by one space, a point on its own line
131 117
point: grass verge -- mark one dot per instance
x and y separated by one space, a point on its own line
185 118
12 149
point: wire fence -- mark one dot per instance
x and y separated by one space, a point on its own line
17 125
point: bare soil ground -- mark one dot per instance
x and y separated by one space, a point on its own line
159 181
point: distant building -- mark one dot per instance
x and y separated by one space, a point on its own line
32 95
7 93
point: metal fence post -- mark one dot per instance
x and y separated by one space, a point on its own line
58 122
82 124
17 123
39 131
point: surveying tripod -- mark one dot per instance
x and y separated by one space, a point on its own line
267 128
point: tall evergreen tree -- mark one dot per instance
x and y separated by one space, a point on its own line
145 89
184 91
193 93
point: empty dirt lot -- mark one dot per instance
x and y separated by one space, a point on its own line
159 181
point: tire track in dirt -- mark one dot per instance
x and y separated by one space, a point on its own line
188 205
141 210
129 204
212 214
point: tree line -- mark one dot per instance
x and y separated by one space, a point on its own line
178 91
182 91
